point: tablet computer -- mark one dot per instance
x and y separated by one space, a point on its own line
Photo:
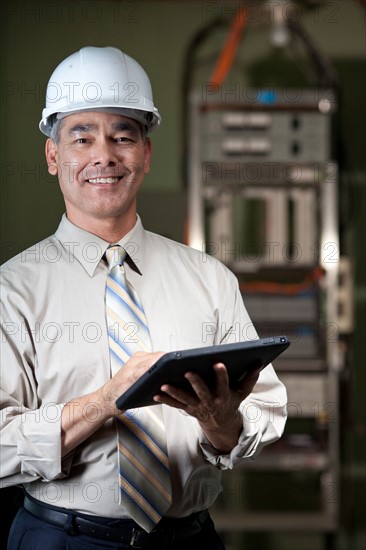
239 359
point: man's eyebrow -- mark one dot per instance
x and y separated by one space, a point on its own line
80 128
124 127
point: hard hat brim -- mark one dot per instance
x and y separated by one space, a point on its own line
142 117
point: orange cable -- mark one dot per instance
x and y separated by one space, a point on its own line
287 288
227 54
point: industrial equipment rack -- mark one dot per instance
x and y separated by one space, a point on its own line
263 198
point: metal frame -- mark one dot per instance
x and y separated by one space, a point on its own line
316 190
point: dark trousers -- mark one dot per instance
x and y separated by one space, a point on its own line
31 533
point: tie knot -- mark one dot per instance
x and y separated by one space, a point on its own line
115 255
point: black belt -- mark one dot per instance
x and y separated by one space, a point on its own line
168 531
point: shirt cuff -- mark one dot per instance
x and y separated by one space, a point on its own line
39 443
246 448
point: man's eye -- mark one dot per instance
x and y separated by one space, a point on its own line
81 140
122 139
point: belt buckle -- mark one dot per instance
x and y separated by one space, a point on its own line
134 537
142 540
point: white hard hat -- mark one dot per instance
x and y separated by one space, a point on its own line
99 79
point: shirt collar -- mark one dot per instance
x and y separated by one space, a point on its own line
89 249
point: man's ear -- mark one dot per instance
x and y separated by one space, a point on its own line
148 152
51 157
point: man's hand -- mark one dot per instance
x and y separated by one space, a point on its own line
217 411
135 367
76 425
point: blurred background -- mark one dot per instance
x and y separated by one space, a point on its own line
260 160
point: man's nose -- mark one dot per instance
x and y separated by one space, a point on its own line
104 153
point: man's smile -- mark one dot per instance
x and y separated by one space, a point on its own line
105 180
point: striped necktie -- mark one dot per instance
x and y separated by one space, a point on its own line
144 478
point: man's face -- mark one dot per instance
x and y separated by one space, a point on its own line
100 160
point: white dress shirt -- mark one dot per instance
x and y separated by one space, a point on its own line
55 348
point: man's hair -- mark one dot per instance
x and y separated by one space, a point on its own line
56 124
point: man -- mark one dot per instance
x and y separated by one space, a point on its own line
61 371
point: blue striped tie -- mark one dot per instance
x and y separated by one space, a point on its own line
144 478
